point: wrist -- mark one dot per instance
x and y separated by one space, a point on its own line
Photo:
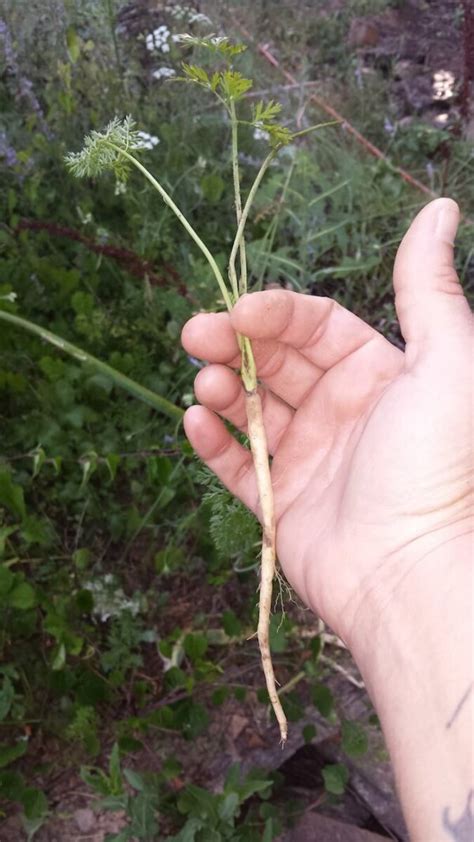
415 653
423 591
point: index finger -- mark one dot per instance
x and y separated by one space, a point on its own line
319 328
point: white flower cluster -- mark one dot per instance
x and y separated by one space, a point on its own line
260 134
164 73
147 141
187 13
159 39
110 599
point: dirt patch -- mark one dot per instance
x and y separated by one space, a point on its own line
420 48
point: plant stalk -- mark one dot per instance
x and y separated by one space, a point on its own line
257 437
131 386
240 287
246 209
184 222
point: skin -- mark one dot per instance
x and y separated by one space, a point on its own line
372 472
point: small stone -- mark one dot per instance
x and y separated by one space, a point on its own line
85 819
237 725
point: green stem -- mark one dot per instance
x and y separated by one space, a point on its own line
241 287
314 128
131 386
247 206
149 514
111 20
272 229
184 222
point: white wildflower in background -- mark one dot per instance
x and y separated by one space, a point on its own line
120 188
187 13
260 134
147 141
158 39
443 84
110 599
198 17
164 73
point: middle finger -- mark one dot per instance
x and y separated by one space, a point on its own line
289 374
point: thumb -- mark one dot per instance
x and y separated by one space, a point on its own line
429 299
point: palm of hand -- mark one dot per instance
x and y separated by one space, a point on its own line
353 434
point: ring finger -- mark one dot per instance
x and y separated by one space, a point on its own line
218 388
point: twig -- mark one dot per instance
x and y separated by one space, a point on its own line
264 50
137 454
132 262
338 668
321 103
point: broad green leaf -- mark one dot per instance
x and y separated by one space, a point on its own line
73 44
10 753
89 466
81 558
59 658
22 596
231 624
195 645
315 646
5 532
6 579
199 802
354 739
322 699
309 733
278 633
34 803
189 831
11 495
212 186
38 456
335 778
268 832
112 460
134 779
11 785
220 695
229 806
115 771
7 695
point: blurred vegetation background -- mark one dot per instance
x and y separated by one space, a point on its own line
127 575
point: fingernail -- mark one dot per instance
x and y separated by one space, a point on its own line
446 222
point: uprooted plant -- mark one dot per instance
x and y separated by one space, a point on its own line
117 149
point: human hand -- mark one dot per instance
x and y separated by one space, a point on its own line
371 446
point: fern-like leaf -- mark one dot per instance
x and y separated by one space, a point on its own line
102 150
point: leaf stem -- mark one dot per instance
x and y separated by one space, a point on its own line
131 386
184 222
247 206
241 287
